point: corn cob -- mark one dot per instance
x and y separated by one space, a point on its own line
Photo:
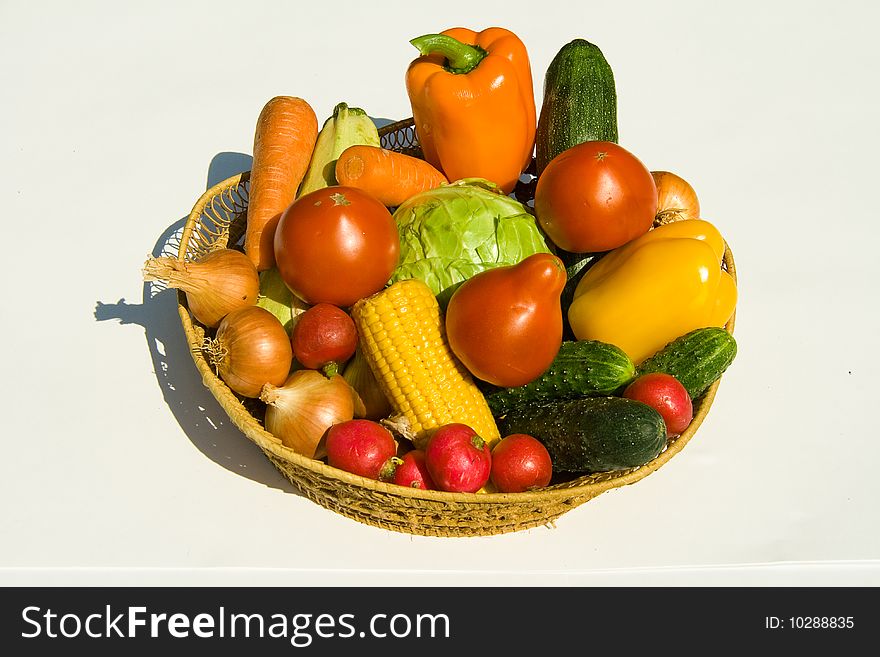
403 338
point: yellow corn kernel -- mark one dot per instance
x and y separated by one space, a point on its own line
403 338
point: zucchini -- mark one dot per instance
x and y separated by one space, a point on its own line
277 298
586 368
592 434
697 359
348 126
580 102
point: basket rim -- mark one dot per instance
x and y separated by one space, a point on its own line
255 431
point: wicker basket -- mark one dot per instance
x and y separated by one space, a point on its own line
217 220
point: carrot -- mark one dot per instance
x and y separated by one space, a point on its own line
387 175
285 137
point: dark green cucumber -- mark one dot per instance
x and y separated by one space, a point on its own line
580 102
576 266
585 368
592 434
697 359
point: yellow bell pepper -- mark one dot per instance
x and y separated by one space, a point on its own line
657 287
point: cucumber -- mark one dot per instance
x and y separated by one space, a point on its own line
697 359
592 434
580 102
586 368
576 267
348 126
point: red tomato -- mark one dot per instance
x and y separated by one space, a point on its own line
505 324
336 245
323 334
667 396
519 463
595 197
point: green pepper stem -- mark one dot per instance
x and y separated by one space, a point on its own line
460 57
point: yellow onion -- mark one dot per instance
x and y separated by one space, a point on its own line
251 348
676 199
360 377
300 411
215 284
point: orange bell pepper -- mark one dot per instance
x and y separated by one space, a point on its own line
656 288
473 104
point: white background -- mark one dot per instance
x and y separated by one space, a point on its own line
118 467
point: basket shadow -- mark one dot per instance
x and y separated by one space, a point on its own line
225 165
380 122
196 410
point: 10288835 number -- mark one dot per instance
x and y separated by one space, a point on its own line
821 622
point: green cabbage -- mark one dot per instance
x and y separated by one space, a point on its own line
449 234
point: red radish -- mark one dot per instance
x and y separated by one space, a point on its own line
362 447
411 471
667 396
458 460
519 463
322 335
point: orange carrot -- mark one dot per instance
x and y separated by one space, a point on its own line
286 132
387 175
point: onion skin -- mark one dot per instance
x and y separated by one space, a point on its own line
251 348
300 411
215 284
360 377
676 199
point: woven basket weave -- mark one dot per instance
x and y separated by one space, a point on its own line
218 220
